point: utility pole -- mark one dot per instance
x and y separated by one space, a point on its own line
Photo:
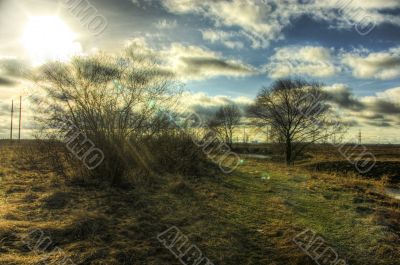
12 115
20 116
359 137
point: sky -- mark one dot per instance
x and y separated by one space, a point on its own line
223 51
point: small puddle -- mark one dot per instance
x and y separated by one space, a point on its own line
256 156
394 193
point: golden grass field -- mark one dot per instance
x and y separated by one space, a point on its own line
248 217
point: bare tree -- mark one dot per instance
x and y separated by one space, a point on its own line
224 122
114 100
298 113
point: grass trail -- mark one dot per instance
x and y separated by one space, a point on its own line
249 217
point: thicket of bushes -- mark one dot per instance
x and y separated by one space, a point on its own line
109 118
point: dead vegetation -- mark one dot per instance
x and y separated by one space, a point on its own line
249 217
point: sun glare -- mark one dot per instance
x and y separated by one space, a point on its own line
48 38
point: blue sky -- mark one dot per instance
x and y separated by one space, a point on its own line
135 19
231 48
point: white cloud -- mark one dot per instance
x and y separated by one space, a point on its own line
205 105
316 61
258 21
385 103
263 21
142 3
203 99
165 24
226 38
191 62
307 60
392 94
379 110
343 97
380 65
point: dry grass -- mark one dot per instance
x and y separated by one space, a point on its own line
248 217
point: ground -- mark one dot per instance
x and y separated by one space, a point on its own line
248 217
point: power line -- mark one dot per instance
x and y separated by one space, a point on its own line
12 116
20 120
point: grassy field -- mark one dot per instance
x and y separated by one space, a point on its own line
339 159
248 217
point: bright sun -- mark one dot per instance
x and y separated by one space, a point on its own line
48 38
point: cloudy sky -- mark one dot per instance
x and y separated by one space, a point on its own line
223 50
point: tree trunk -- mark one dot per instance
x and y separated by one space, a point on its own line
288 151
230 140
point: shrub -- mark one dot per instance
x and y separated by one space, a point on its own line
119 111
